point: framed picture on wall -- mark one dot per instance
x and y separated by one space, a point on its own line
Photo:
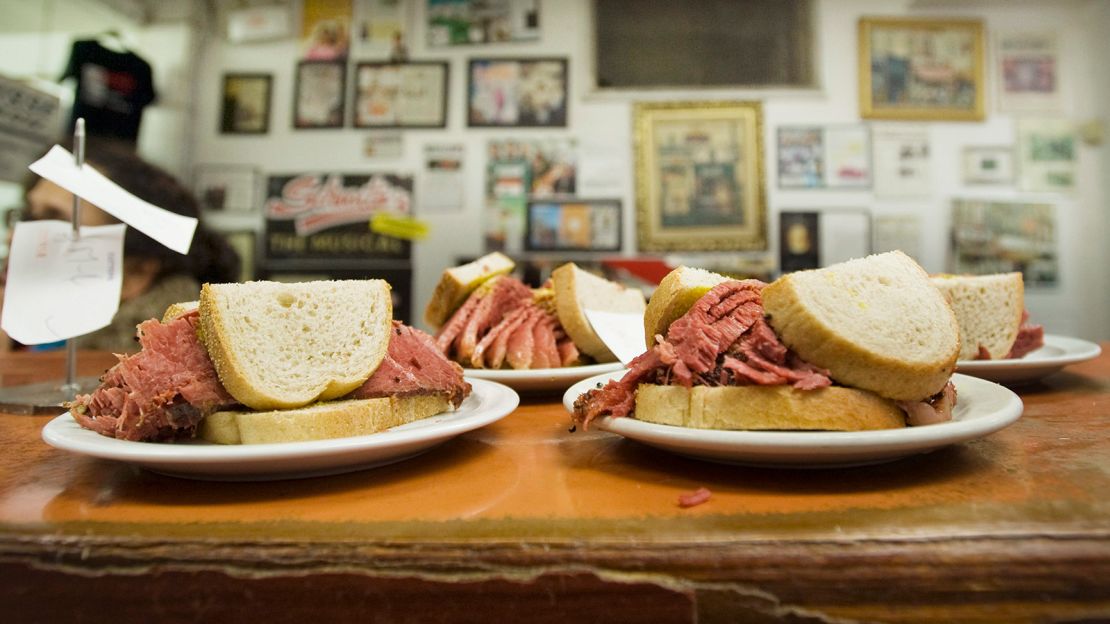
574 225
903 160
1028 72
921 69
401 95
245 108
319 94
810 239
799 240
1004 236
815 157
699 176
988 164
518 170
1047 153
517 93
466 22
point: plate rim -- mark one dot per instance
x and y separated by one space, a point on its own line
496 402
1076 350
931 436
576 372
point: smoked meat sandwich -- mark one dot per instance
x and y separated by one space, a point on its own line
272 362
865 344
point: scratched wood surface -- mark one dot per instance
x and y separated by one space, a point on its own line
524 518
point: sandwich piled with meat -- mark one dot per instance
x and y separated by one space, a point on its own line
489 319
990 310
866 344
272 362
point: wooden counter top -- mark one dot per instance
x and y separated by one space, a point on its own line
523 518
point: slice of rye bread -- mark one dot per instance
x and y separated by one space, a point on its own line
278 345
456 284
876 323
577 291
988 310
674 296
772 408
320 421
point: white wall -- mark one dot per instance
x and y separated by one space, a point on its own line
602 123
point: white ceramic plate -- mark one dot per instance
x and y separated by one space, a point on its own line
1057 352
543 379
487 403
982 408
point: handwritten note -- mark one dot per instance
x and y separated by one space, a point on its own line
171 229
58 287
623 333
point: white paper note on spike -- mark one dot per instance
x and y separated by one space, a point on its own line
171 229
58 287
623 333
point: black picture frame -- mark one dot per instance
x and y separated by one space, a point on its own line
303 117
812 238
401 103
574 224
541 101
243 110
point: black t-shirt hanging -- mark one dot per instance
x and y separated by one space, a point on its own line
112 89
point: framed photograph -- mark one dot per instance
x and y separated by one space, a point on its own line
325 29
903 161
226 187
318 94
1028 72
1002 236
401 95
1047 155
814 157
921 69
467 22
574 225
699 176
518 170
799 241
246 104
988 165
810 239
517 93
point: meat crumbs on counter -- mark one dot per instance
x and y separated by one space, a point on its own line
697 497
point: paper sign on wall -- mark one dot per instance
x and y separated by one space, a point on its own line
172 230
59 287
623 333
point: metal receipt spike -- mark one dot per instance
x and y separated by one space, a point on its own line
70 387
47 397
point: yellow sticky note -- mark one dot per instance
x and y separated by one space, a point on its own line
407 228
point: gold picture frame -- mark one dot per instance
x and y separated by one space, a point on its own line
921 69
699 176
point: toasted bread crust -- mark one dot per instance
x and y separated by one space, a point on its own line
676 293
911 361
175 310
321 421
775 408
575 290
456 283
